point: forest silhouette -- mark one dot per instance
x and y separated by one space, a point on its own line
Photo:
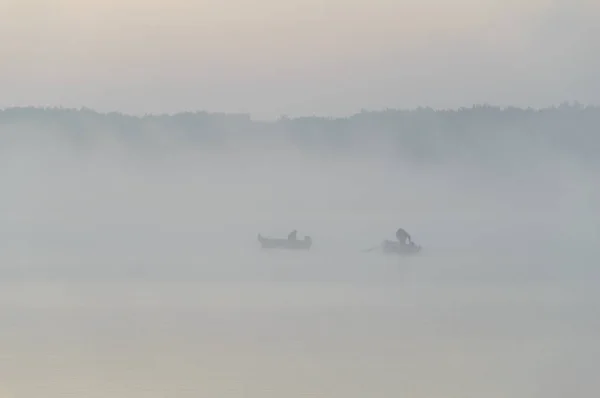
481 133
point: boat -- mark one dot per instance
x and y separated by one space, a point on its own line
284 243
395 247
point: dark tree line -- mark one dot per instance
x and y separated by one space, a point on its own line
480 132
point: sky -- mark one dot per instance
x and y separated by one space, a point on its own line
310 57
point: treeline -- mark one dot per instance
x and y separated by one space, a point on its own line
481 132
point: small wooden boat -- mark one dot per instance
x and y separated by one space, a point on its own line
286 244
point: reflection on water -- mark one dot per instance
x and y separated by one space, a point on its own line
316 324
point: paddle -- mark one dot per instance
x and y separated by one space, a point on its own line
371 249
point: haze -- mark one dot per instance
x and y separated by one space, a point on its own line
270 58
130 265
129 260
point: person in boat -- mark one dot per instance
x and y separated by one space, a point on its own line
292 235
403 237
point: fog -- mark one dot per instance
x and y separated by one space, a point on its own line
137 272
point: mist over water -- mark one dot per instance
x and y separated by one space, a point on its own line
137 273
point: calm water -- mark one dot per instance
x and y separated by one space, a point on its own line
246 323
147 281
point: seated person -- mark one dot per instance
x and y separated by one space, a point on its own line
403 236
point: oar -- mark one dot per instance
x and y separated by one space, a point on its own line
371 249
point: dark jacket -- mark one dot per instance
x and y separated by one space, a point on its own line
402 235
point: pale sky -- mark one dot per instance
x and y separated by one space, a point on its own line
274 57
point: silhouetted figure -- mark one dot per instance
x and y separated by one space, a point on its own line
403 236
292 235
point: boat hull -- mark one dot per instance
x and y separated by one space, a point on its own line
285 244
402 249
